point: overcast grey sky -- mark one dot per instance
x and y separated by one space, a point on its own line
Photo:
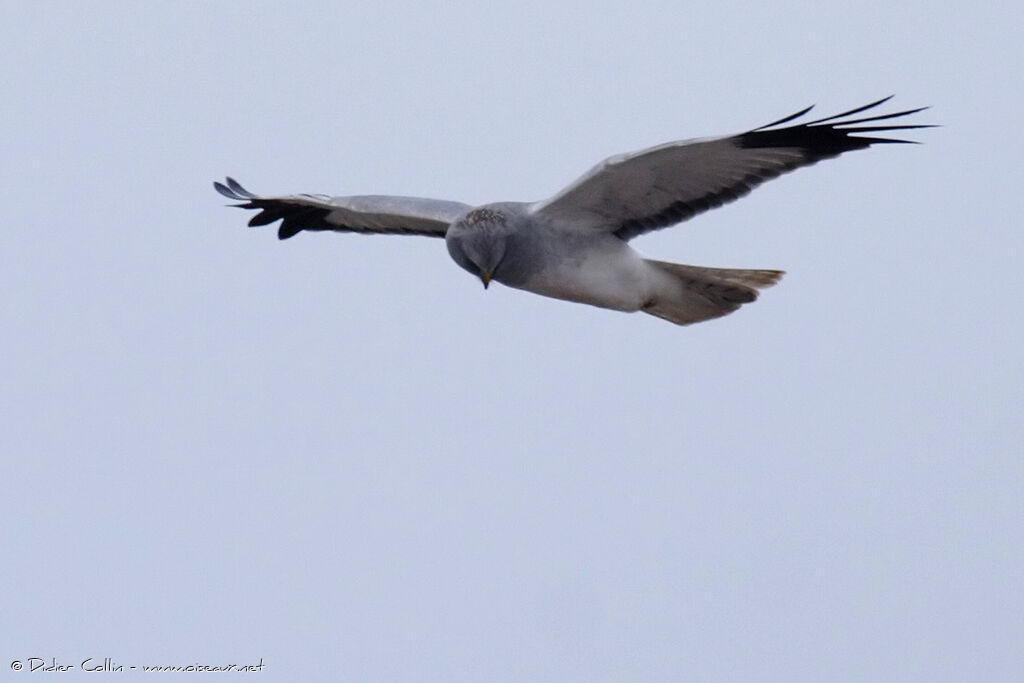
341 455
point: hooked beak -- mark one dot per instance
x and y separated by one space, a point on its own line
486 279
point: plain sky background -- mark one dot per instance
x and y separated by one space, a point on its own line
341 455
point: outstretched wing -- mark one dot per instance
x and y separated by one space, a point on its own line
631 194
367 214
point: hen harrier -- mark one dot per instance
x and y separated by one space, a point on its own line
574 246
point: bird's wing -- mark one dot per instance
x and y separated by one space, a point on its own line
367 214
631 194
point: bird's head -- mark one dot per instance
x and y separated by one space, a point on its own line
477 242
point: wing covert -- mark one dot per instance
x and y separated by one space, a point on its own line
631 194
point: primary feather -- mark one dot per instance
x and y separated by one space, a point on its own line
573 246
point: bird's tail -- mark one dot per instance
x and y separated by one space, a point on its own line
697 293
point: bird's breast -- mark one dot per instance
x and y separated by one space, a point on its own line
610 275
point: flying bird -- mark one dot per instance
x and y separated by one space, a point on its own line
575 245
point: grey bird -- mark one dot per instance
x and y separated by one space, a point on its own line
575 245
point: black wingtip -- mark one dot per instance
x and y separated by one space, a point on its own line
855 110
786 119
832 135
285 231
265 217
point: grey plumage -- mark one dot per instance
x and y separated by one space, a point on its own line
574 246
